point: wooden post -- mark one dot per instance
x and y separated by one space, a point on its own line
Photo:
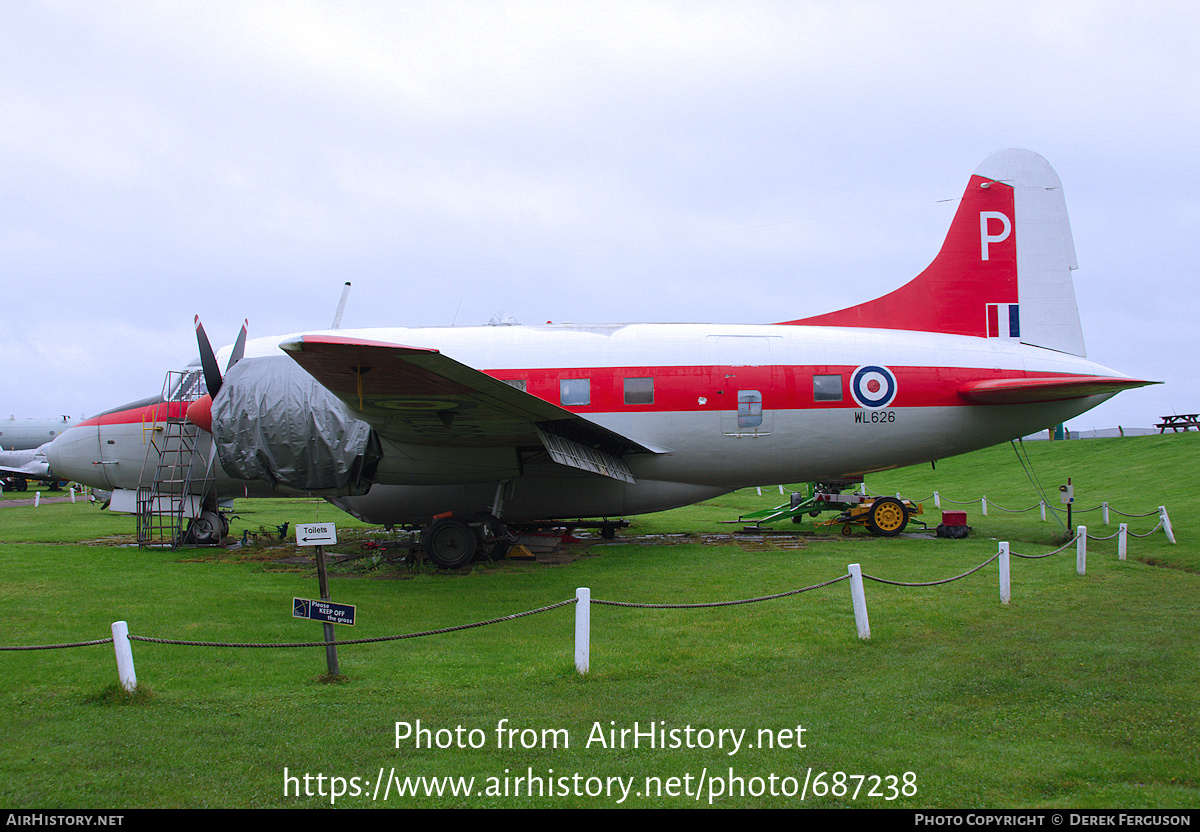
125 672
859 598
1166 521
331 659
583 629
1005 578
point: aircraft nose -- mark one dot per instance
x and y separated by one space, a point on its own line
74 455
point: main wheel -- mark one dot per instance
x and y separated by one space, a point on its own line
494 542
449 543
887 517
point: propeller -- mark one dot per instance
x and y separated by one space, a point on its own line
199 412
208 359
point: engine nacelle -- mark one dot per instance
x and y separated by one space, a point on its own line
273 421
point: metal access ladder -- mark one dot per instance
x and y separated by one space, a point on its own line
176 466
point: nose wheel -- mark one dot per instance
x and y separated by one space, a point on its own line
209 529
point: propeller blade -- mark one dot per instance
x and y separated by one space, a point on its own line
239 347
208 361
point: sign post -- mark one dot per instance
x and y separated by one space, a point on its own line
1068 498
318 534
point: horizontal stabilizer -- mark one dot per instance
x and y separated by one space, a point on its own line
1044 389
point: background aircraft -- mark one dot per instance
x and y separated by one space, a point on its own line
21 434
461 430
22 456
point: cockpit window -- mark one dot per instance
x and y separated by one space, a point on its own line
189 387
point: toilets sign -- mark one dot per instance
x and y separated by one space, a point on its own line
316 534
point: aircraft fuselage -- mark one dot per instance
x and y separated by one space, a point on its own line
727 406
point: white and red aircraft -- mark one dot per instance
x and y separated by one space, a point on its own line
464 429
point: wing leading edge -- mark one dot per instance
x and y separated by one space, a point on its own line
413 395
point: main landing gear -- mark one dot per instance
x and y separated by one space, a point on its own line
452 543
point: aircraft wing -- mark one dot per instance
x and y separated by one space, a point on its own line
413 395
1044 389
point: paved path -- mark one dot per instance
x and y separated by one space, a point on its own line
47 497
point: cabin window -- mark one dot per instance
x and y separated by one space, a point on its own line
575 391
827 388
518 383
749 408
639 391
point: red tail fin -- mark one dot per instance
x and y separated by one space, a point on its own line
970 286
1004 270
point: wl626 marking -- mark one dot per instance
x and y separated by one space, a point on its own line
874 417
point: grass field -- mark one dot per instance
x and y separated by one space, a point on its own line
1081 693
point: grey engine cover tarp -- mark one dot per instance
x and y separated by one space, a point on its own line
273 421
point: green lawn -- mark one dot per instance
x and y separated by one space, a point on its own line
1081 693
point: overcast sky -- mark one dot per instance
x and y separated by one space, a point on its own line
569 161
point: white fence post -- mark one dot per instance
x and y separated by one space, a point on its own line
37 499
1081 550
983 504
859 597
1166 521
937 500
124 651
1122 534
1005 578
1043 505
72 495
1104 513
583 628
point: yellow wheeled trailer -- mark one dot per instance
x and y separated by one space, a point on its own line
883 516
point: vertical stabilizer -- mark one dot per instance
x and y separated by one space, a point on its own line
1004 270
1045 250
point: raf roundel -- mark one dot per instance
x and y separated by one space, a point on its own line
873 386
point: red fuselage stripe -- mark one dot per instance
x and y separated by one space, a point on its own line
679 389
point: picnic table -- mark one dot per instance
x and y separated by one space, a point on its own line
1178 422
